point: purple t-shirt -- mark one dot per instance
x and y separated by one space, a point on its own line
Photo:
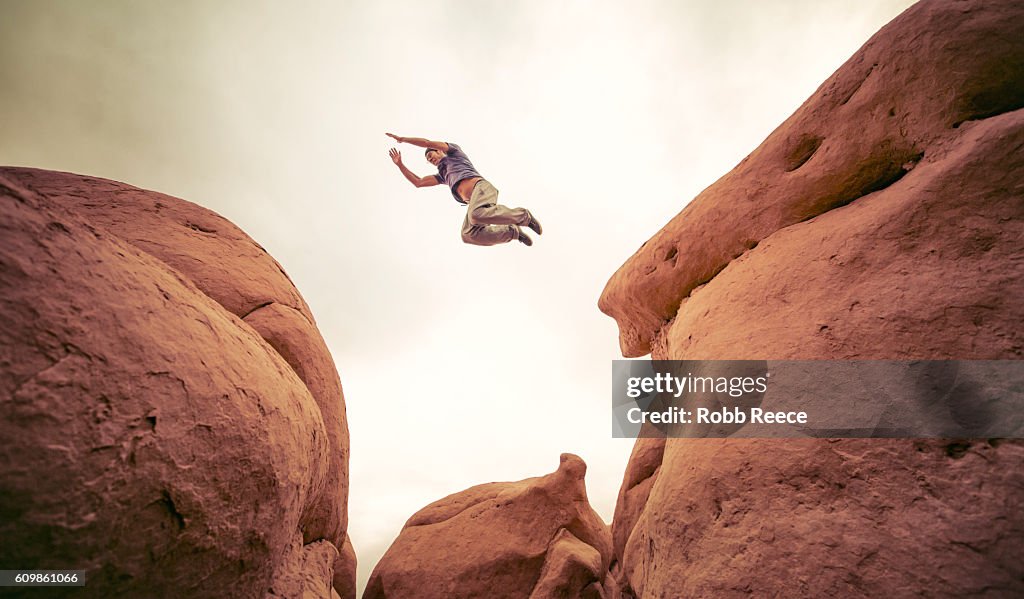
455 167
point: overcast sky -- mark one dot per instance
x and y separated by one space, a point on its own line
460 364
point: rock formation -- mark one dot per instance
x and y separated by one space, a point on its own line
882 220
170 417
536 538
917 100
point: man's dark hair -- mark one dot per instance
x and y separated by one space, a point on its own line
426 152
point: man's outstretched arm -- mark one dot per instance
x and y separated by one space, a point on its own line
419 141
418 181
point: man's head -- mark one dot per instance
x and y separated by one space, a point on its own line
434 156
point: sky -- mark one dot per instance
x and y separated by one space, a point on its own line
461 364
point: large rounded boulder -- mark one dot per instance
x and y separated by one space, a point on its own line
170 418
883 220
536 538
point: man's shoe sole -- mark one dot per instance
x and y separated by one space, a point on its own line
533 224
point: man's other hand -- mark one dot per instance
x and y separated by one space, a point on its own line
397 138
396 156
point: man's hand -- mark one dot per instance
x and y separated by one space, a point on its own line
440 146
428 181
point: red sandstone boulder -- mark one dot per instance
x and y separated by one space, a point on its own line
904 103
883 220
536 538
170 417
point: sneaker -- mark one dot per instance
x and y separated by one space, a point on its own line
535 224
524 238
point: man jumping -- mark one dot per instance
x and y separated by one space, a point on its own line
487 222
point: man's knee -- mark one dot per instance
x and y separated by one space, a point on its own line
469 236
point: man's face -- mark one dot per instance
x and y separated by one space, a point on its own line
434 156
